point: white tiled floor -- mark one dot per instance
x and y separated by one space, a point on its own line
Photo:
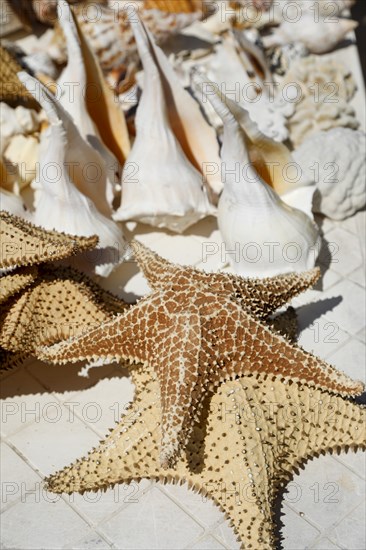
51 416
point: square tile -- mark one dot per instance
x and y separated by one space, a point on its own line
56 440
351 358
41 523
324 492
92 542
102 405
196 505
226 534
22 400
349 533
208 543
345 251
297 531
16 476
349 313
100 506
155 522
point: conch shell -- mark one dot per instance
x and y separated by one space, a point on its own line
319 37
263 235
59 204
91 104
160 185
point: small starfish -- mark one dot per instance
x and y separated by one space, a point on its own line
196 332
23 243
55 304
256 433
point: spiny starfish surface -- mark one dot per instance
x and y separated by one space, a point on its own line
15 281
56 304
23 243
196 334
257 431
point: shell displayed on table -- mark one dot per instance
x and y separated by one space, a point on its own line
336 160
252 217
320 90
160 186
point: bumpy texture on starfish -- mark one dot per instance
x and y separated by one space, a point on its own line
16 281
56 304
195 336
256 433
23 243
260 297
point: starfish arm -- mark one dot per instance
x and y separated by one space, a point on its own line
177 365
23 243
129 336
267 295
16 281
156 269
59 304
245 345
260 296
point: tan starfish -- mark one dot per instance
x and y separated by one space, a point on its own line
56 304
23 243
256 432
15 281
196 331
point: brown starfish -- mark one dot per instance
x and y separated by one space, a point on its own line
57 303
196 332
23 243
257 431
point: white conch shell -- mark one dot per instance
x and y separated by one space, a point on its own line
59 204
86 97
84 164
159 184
336 159
262 234
319 36
13 204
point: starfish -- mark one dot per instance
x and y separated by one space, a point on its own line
23 243
16 281
197 330
257 432
55 304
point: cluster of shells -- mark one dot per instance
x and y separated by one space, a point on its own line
164 112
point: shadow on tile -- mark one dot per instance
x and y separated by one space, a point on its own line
309 313
55 378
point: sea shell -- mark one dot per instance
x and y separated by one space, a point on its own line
320 36
56 193
320 90
336 160
249 84
110 36
89 101
262 234
15 121
160 186
282 57
327 9
13 204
